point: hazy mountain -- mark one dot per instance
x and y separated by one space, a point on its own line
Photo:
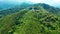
6 5
14 9
25 5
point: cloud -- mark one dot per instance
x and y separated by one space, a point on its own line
56 1
12 0
50 2
36 1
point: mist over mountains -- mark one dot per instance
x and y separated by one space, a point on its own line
5 5
10 3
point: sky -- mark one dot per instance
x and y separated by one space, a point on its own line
50 2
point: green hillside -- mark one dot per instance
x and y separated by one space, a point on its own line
29 21
49 8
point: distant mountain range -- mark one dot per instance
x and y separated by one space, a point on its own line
17 8
6 5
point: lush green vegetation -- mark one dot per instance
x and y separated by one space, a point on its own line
30 21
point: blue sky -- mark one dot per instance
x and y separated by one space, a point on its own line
50 2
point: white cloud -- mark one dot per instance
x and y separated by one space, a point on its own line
50 2
56 1
35 1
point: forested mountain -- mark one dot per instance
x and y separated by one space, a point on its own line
30 19
49 8
13 9
17 8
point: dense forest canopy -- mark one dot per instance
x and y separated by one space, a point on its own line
30 18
